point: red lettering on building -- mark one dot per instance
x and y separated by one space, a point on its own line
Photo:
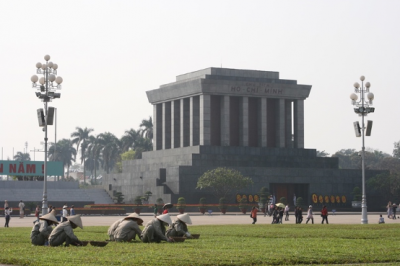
31 168
21 168
42 168
1 168
13 168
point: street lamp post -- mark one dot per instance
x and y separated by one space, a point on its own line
46 92
362 109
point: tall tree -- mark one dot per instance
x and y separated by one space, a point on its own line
110 147
94 156
396 150
147 128
81 139
65 152
20 156
129 139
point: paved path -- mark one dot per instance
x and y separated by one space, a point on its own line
217 218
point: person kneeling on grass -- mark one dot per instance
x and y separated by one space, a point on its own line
179 227
154 230
64 233
128 228
42 229
111 229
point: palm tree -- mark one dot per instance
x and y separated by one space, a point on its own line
110 147
81 139
22 156
129 139
142 145
66 153
147 131
94 155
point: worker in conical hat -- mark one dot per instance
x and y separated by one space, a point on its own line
128 228
154 230
179 226
64 232
42 229
111 229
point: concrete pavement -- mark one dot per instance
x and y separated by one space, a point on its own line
217 219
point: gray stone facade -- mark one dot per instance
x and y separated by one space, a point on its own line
248 120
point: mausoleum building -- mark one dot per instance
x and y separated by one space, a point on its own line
248 120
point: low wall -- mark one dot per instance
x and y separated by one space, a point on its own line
38 185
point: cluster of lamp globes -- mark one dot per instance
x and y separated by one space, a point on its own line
49 71
361 90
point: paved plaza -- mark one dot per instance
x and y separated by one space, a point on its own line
217 218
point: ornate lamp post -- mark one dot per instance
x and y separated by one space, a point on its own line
362 109
46 92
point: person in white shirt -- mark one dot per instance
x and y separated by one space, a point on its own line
64 213
287 212
7 213
381 219
21 206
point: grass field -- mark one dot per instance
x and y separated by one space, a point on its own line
220 245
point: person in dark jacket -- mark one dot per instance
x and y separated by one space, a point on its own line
324 214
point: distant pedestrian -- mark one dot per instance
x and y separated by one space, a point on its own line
281 211
72 210
21 206
64 213
50 208
389 209
300 215
254 211
37 213
7 213
155 210
394 207
381 219
310 215
324 214
296 214
287 212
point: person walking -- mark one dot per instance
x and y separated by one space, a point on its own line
324 215
296 214
64 213
21 206
72 210
310 215
300 215
254 211
155 210
37 213
287 212
394 207
389 209
7 212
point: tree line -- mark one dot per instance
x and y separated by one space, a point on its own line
104 150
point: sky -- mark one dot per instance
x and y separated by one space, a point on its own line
109 53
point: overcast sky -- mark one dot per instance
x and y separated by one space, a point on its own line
110 53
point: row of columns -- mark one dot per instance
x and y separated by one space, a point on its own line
228 121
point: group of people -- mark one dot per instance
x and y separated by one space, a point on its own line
127 228
43 232
391 210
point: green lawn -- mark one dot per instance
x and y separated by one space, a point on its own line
220 245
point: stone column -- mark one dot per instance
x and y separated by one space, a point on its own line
166 125
154 127
288 124
194 121
173 124
225 121
181 112
281 124
205 120
244 121
299 124
263 123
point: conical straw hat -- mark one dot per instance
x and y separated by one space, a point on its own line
184 218
134 216
76 219
165 218
49 217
